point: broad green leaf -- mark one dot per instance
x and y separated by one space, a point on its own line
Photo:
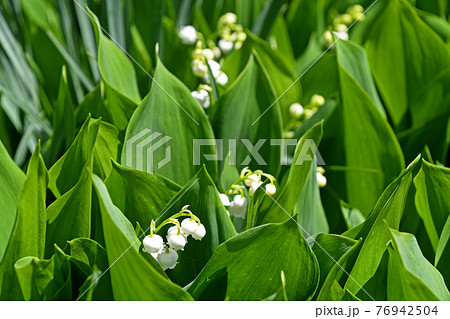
66 172
331 289
94 146
254 260
28 235
63 122
10 183
119 77
140 196
368 139
283 208
89 260
243 113
169 110
69 216
203 199
45 279
442 262
416 58
410 274
432 192
388 209
279 72
352 216
122 246
328 249
311 215
263 25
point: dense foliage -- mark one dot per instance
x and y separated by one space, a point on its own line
87 87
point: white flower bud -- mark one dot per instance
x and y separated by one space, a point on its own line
200 232
189 226
341 35
241 36
321 180
271 189
168 259
327 38
225 200
225 46
188 35
238 207
208 54
250 179
229 18
253 187
215 67
296 110
199 68
176 241
202 97
222 79
346 19
153 244
309 113
317 100
340 28
217 52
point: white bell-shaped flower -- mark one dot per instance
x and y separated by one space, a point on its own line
225 46
199 68
296 110
222 79
202 96
168 259
225 200
321 179
238 207
253 187
229 18
215 67
176 241
200 232
208 54
271 189
188 35
250 179
153 244
174 230
341 35
317 100
189 226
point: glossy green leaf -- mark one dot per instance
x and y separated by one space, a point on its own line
442 262
258 256
417 58
140 196
410 274
203 199
45 279
28 235
363 122
119 77
311 216
388 209
168 110
432 192
283 208
69 216
248 101
122 247
10 184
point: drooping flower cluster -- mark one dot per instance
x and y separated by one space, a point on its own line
341 23
232 35
301 113
321 179
237 207
166 253
206 53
